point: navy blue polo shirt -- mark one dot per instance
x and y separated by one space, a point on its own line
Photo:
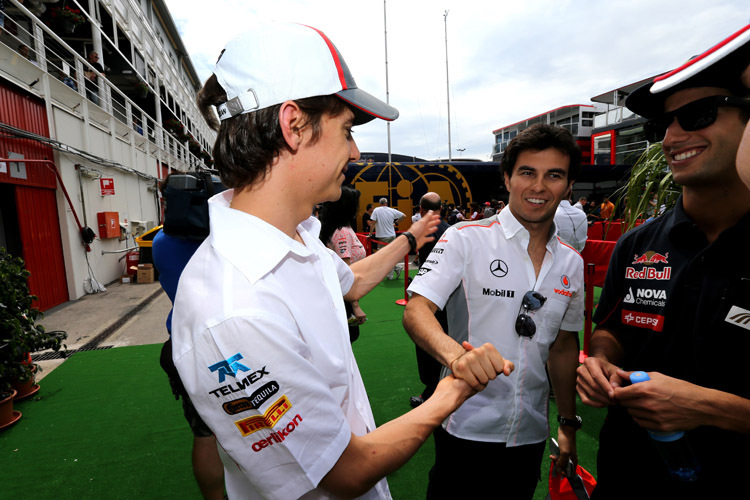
681 307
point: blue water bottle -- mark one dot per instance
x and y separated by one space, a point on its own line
674 447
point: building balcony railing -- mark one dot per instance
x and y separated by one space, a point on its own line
42 63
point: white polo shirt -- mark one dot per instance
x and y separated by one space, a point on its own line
384 218
261 343
572 225
479 271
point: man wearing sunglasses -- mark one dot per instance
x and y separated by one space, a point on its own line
676 300
510 281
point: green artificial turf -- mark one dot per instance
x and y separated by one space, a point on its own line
105 425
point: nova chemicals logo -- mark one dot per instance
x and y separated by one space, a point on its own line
229 367
498 268
739 317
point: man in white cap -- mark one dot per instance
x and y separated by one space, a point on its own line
676 300
260 337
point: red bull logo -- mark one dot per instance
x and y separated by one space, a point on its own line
648 273
650 258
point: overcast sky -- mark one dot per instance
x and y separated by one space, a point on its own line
508 60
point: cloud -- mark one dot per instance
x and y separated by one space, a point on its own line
507 60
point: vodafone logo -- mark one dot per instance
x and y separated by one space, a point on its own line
653 322
565 281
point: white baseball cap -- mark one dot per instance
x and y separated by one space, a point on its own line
719 66
273 62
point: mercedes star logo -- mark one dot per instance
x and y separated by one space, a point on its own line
498 268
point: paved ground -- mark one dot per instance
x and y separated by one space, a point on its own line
126 314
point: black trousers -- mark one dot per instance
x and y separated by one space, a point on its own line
475 469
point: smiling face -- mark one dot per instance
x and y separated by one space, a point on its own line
707 156
326 159
538 182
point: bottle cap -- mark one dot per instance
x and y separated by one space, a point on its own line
639 376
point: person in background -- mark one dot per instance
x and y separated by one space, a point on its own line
427 366
92 79
366 219
260 336
580 204
384 218
337 234
171 254
572 226
606 209
676 298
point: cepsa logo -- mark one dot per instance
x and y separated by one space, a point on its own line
653 322
272 415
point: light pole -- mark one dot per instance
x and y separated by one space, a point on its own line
387 94
447 85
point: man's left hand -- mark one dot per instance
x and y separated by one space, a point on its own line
424 227
566 439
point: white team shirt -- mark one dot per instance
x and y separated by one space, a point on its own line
479 271
384 218
572 225
261 343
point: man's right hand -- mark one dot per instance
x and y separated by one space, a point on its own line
596 381
478 365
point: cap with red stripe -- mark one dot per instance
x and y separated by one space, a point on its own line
720 66
273 62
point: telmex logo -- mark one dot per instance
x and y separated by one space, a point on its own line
229 367
739 317
272 415
650 258
653 322
240 385
648 273
253 402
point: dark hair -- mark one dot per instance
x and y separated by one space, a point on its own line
246 144
339 213
539 137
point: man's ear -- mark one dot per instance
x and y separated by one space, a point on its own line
291 118
569 191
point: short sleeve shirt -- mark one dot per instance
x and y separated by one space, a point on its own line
261 343
344 241
384 218
479 272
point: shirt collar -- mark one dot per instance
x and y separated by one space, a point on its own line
512 228
252 245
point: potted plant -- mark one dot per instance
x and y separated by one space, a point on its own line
143 89
649 188
19 333
67 18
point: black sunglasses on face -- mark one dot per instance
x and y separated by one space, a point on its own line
693 116
525 326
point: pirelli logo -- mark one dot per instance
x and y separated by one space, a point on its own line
266 421
739 317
